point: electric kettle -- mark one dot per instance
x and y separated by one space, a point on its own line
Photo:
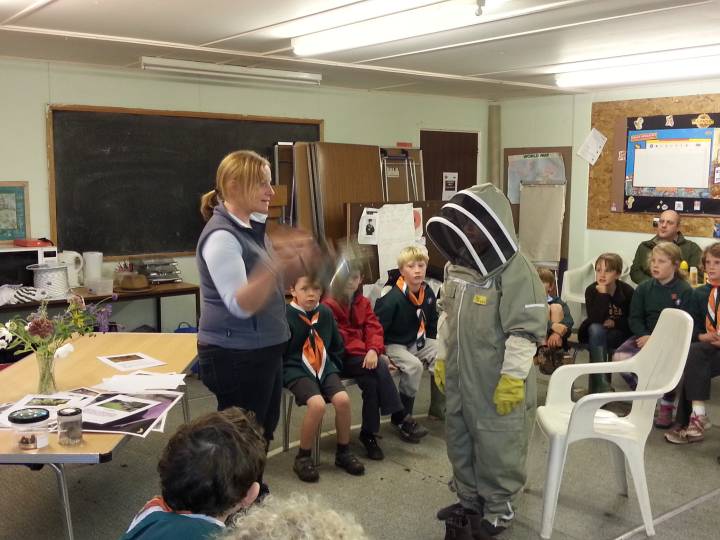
74 263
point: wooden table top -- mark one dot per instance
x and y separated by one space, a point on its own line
82 368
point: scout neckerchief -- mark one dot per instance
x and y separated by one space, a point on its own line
314 353
712 310
417 301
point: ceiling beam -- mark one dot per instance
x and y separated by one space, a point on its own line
289 59
534 31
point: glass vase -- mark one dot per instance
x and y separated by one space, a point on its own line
46 372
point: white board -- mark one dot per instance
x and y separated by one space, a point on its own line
683 166
542 211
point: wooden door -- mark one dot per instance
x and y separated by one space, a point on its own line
448 151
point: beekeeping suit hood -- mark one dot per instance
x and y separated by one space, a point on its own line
475 229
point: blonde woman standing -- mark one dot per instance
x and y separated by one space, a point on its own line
243 329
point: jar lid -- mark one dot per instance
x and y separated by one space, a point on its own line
29 416
69 411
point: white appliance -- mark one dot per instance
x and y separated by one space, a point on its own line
15 260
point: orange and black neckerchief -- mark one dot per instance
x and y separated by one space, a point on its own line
417 301
712 310
314 354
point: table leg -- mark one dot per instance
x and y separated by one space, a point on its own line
158 313
197 309
186 406
59 469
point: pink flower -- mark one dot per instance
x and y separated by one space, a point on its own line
42 328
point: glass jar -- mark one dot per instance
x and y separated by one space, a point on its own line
30 427
69 426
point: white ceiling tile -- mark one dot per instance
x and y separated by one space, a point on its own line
514 49
9 8
509 29
183 21
611 38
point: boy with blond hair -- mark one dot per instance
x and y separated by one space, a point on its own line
408 314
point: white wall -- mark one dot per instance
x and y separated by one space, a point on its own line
566 121
351 116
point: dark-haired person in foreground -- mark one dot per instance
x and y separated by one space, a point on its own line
208 471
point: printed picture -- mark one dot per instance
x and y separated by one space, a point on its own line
124 406
130 361
48 402
125 357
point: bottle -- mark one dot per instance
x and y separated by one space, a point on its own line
693 276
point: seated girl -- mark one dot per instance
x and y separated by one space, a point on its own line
608 306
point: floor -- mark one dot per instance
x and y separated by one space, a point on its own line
397 498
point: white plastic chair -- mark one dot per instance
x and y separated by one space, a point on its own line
575 282
659 366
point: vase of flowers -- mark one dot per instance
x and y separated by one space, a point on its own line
46 335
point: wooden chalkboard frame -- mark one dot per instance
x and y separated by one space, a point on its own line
52 108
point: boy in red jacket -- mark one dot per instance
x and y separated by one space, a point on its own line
362 334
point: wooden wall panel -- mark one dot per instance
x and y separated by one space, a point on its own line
605 117
301 175
347 173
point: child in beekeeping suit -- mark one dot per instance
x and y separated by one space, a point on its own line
493 315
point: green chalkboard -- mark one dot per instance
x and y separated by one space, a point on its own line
129 181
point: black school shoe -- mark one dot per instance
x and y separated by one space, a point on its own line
349 462
490 529
371 446
305 469
410 431
444 513
457 527
464 524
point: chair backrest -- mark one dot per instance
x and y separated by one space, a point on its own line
660 363
625 276
576 280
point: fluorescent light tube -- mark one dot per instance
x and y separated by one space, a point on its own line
425 20
687 68
348 14
229 72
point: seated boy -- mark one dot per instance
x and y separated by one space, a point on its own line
559 328
408 315
311 367
362 334
208 471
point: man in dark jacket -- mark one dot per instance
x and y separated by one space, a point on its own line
668 231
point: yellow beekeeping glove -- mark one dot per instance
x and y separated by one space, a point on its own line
509 393
440 374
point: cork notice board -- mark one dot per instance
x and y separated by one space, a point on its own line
606 188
